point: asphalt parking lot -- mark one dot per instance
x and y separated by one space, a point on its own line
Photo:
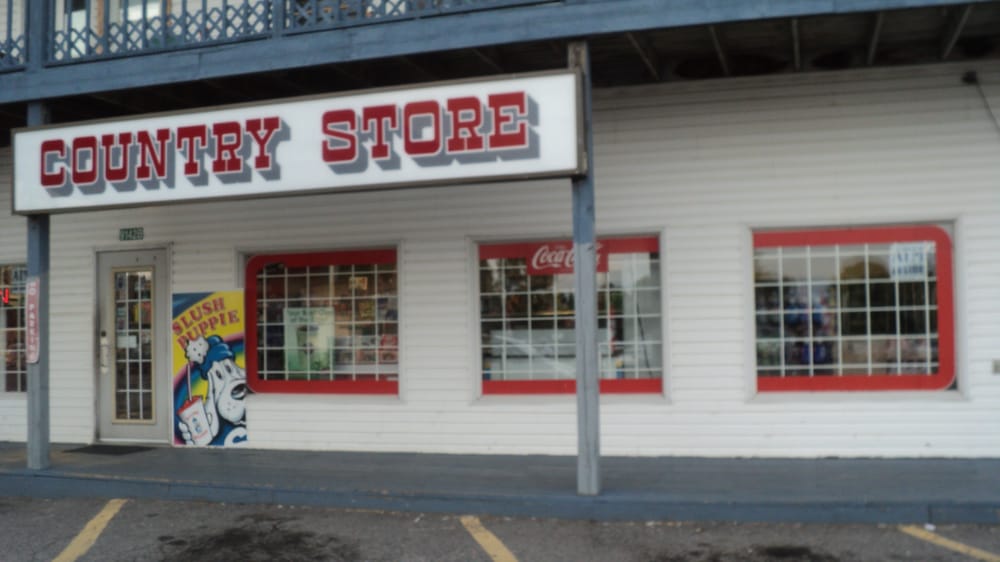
120 530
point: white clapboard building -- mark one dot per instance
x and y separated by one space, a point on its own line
255 241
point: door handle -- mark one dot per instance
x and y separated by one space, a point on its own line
105 353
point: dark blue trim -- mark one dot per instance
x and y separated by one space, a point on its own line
574 18
564 505
635 488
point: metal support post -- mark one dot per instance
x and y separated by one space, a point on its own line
278 18
588 476
37 33
38 367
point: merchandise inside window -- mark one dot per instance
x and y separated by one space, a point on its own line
527 316
323 322
854 309
12 346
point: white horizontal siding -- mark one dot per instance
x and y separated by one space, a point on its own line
700 164
13 230
13 413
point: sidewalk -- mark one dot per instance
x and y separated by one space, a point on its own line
666 488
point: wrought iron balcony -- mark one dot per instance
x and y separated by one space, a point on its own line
81 30
94 54
13 40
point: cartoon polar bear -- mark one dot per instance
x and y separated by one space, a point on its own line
225 409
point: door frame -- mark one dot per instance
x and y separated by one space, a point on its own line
162 298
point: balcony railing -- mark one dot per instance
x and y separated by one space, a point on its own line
82 30
90 29
313 14
13 39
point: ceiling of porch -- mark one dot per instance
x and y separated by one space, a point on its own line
760 47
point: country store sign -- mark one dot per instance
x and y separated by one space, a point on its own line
515 127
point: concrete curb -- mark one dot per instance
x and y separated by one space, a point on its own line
606 507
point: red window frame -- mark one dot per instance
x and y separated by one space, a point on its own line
642 244
347 257
945 375
10 299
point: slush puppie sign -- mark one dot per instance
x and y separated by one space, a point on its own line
470 131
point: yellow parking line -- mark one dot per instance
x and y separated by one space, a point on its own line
88 536
938 540
487 540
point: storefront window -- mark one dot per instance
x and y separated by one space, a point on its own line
857 309
527 316
14 367
323 322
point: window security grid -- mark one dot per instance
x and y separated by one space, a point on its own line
528 320
852 309
12 298
133 345
327 322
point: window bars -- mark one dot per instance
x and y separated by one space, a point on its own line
13 361
854 309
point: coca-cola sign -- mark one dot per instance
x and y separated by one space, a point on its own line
554 258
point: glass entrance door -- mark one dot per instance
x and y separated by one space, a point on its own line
132 367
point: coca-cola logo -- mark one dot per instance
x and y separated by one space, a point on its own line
553 257
557 258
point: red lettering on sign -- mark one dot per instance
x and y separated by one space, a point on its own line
384 119
261 131
554 258
484 124
339 125
203 319
84 160
427 147
31 336
228 142
150 153
466 118
190 139
422 128
509 109
57 178
114 173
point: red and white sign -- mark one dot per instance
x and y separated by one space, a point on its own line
32 338
544 258
554 258
469 131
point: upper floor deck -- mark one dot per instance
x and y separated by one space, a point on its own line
88 30
94 50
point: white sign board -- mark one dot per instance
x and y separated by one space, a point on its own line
470 131
908 261
32 335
